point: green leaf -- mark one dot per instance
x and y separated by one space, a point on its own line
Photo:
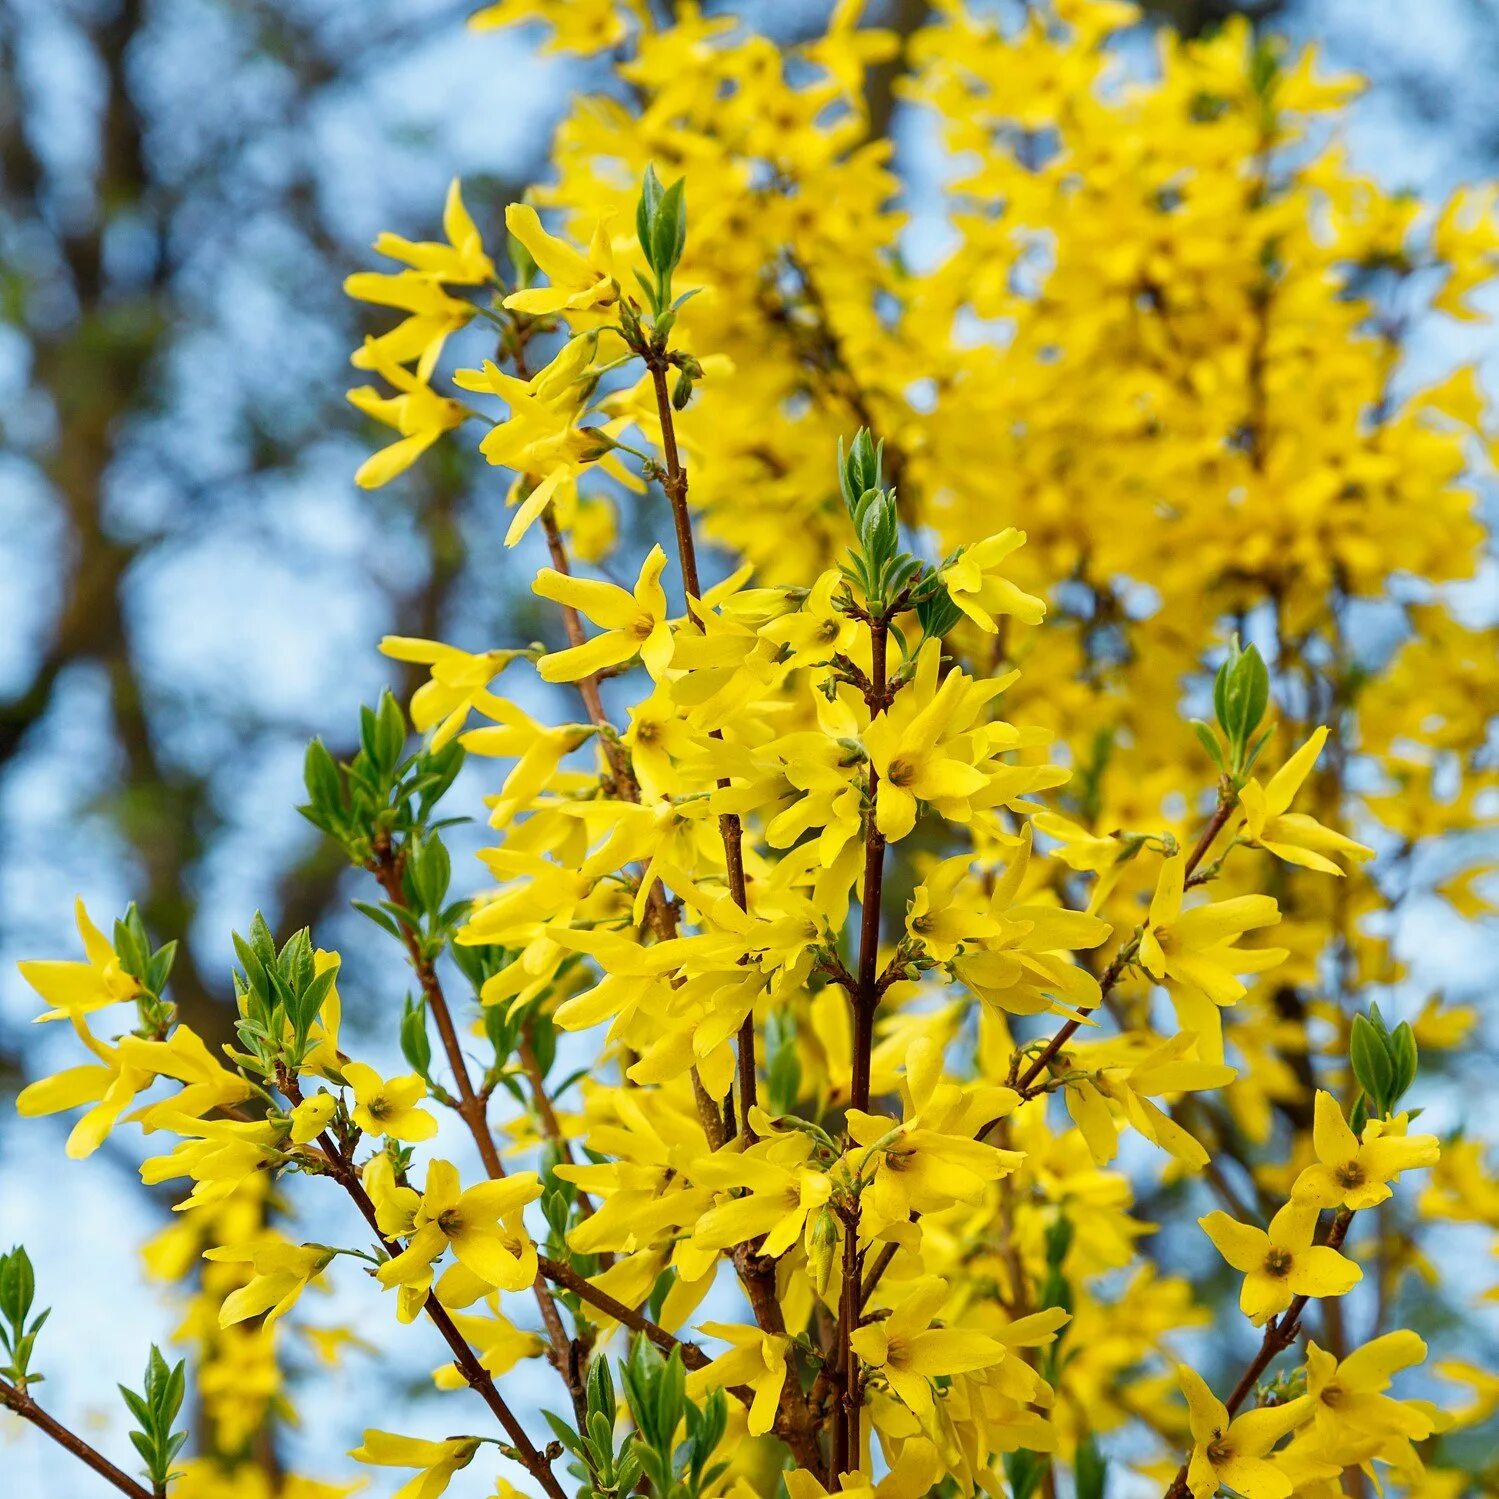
669 229
646 209
324 784
416 1044
1372 1065
1404 1060
390 733
1090 1470
381 918
1209 742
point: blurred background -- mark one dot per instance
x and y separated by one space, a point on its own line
191 586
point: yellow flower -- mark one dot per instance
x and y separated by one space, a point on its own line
469 1223
1131 1083
579 283
927 747
389 1108
438 1461
541 439
781 1192
282 1272
108 1084
219 1155
417 412
1234 1454
1357 1173
1293 836
458 684
755 1359
73 988
432 317
910 1352
1281 1264
931 1159
978 589
460 262
1349 1407
1196 948
818 630
206 1083
498 1342
537 748
311 1117
634 623
912 1476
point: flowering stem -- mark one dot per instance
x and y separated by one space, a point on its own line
473 1109
387 870
866 999
1280 1333
477 1376
729 826
1112 974
28 1410
588 687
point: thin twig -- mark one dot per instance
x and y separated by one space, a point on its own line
28 1410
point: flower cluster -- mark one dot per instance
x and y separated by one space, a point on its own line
866 940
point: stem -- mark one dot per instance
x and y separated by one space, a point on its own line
1115 970
867 996
474 1111
866 1000
730 828
569 1279
850 1303
588 687
387 870
478 1377
28 1410
1280 1333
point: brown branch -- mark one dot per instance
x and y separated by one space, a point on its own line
1113 973
28 1410
729 826
568 1279
865 998
473 1109
1280 1333
477 1376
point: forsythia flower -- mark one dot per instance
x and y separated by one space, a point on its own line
579 283
469 1222
932 1158
1196 949
1293 836
109 1084
1234 1454
541 439
1356 1173
458 685
756 1360
911 1476
980 591
438 1461
282 1272
389 1108
634 623
1281 1264
459 262
910 1352
73 988
1350 1411
417 412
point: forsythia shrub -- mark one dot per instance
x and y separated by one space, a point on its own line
887 882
